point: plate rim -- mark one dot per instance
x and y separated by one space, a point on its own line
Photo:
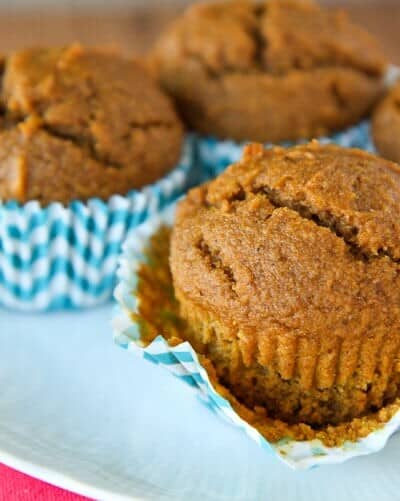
61 480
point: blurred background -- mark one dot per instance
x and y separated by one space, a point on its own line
134 24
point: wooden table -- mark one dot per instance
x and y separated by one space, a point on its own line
134 30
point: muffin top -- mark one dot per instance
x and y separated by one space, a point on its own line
386 125
303 240
79 123
228 52
276 37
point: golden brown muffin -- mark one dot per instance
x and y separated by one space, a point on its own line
269 71
80 123
386 125
287 269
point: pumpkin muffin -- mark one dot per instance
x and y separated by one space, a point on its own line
79 123
386 125
286 268
269 71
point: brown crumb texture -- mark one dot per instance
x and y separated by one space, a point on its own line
386 125
155 293
80 123
268 71
158 308
296 300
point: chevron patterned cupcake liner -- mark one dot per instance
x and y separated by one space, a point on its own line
66 256
214 155
182 362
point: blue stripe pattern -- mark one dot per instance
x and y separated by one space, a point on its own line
66 257
215 155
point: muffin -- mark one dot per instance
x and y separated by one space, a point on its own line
286 269
270 71
90 147
78 123
386 125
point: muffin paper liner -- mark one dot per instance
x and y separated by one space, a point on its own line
182 361
66 256
215 155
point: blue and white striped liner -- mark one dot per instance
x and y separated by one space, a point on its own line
215 155
66 256
182 362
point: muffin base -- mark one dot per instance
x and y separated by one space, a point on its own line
65 256
255 384
158 313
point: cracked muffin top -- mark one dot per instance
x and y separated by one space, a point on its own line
303 240
281 69
386 125
79 123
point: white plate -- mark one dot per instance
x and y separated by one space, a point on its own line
83 414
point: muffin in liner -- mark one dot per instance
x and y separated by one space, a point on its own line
184 363
269 71
66 256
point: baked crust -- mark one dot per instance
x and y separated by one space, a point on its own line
269 71
80 123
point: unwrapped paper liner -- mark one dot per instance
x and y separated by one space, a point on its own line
183 362
66 256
